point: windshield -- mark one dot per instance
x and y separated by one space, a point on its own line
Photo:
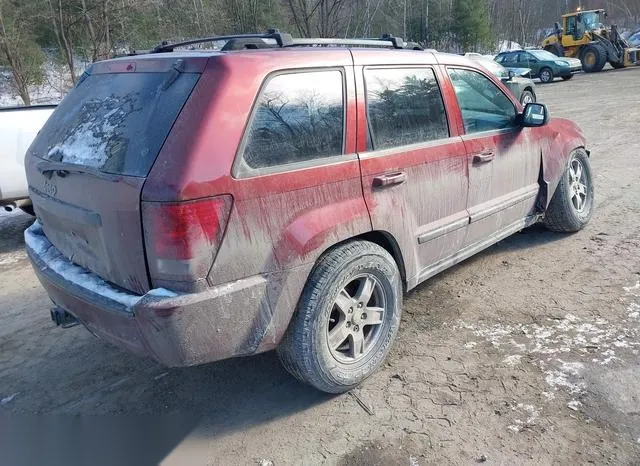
591 21
495 68
543 55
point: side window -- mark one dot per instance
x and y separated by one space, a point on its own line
483 105
510 59
298 117
404 106
571 26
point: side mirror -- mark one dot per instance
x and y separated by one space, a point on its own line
534 114
508 78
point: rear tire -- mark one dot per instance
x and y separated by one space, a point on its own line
329 343
571 206
546 75
616 66
593 58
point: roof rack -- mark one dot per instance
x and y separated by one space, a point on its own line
280 38
384 41
256 41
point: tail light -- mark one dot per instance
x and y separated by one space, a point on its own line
182 239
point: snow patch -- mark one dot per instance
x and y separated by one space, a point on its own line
162 293
513 360
574 405
8 399
54 260
560 346
558 378
531 414
88 143
548 395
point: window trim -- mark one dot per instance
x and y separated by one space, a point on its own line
509 98
370 139
241 170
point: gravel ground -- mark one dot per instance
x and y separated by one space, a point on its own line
524 354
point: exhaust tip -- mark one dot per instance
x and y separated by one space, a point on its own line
9 207
62 318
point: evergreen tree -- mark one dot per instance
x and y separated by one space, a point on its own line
471 23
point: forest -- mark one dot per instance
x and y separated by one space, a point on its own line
73 33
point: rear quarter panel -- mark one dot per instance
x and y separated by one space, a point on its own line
281 222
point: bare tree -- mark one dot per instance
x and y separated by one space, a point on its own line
61 30
317 17
21 53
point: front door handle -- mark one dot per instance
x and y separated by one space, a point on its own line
484 156
392 179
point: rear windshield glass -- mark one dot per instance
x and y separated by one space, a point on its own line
115 123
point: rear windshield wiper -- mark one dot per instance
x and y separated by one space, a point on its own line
48 168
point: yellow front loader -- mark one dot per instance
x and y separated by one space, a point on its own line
583 35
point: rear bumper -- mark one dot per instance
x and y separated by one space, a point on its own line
176 330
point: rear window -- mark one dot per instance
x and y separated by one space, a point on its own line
116 123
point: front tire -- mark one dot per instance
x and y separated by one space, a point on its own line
546 75
593 58
571 206
527 97
567 78
346 320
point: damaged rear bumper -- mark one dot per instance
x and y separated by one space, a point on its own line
176 330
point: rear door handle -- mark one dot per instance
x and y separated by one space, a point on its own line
484 156
392 179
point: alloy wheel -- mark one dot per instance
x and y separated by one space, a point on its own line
356 319
577 185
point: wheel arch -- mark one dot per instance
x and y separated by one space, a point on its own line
282 311
383 239
386 241
551 170
532 90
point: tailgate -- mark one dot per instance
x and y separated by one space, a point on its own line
87 166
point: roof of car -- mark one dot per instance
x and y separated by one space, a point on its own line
361 55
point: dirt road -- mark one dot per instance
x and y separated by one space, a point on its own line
525 354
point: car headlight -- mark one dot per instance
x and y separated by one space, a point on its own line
561 63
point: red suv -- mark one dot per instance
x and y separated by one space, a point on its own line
283 193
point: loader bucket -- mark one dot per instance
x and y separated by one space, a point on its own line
632 56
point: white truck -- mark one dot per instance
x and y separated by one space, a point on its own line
18 128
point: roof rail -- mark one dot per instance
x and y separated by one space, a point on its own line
253 41
281 39
385 41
